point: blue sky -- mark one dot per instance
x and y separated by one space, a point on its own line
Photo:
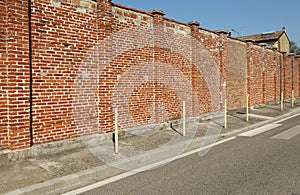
245 16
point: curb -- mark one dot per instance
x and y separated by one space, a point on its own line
89 176
262 123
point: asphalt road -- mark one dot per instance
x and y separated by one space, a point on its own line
266 163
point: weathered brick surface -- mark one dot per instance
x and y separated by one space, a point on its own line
264 70
3 78
61 39
209 52
271 75
288 76
288 72
296 77
236 71
255 76
89 58
297 73
18 74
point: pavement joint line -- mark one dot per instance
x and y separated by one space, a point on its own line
282 120
288 134
54 181
260 116
56 191
144 168
77 175
262 123
259 130
4 152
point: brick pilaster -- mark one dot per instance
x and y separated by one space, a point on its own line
18 74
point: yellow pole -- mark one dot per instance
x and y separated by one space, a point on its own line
116 132
281 101
293 99
247 108
225 114
183 118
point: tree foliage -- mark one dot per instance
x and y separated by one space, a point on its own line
293 47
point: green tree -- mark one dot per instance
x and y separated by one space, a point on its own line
293 47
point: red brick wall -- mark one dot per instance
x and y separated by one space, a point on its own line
16 84
271 74
150 60
255 76
90 57
296 77
264 74
288 76
210 52
236 71
3 78
297 72
62 38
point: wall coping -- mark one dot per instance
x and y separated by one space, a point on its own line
222 31
131 9
263 44
291 54
158 11
193 23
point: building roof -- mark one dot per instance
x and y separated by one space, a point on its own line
264 37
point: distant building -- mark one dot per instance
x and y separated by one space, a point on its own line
274 39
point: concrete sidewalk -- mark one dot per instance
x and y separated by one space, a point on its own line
57 168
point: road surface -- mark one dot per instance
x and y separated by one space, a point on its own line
262 161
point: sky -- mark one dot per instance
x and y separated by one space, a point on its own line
246 17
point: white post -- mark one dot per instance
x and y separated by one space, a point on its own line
183 118
293 99
116 132
225 114
281 101
247 108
